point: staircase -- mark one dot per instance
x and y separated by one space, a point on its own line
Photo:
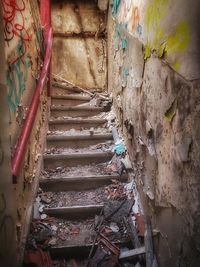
72 194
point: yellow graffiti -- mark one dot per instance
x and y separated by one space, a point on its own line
147 53
155 12
179 40
174 43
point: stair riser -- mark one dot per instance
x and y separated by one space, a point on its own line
62 91
74 113
76 126
55 162
81 251
67 103
57 185
74 143
73 214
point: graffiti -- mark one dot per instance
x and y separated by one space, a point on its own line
16 77
164 44
115 6
13 10
135 18
7 234
128 14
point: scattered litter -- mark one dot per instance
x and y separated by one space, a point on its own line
114 227
54 228
43 216
53 241
41 208
115 191
119 148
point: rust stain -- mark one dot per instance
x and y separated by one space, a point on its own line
90 62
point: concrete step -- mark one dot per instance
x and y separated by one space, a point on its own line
59 88
74 212
74 159
80 250
74 123
70 99
76 141
77 111
81 183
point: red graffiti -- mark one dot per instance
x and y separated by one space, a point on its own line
14 23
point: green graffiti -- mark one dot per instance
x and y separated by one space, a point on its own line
115 6
16 85
124 43
179 40
16 79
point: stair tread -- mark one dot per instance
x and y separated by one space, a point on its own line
75 108
85 170
84 132
76 120
72 97
79 136
77 154
74 178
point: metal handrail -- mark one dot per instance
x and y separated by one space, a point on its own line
22 142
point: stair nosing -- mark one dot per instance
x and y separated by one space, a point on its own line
82 178
72 97
76 120
75 108
57 137
78 155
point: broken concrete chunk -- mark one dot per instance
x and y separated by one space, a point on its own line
43 216
41 208
53 241
114 227
54 228
45 200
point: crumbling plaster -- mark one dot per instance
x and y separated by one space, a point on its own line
157 107
24 52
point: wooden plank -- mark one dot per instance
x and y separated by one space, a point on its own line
132 253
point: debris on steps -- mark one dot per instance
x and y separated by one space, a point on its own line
86 213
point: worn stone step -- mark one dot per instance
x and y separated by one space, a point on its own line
75 212
80 251
77 111
59 88
75 123
74 159
76 141
78 183
70 99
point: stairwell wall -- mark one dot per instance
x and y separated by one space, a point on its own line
153 75
24 53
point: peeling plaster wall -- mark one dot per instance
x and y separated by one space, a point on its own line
24 52
153 75
80 37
